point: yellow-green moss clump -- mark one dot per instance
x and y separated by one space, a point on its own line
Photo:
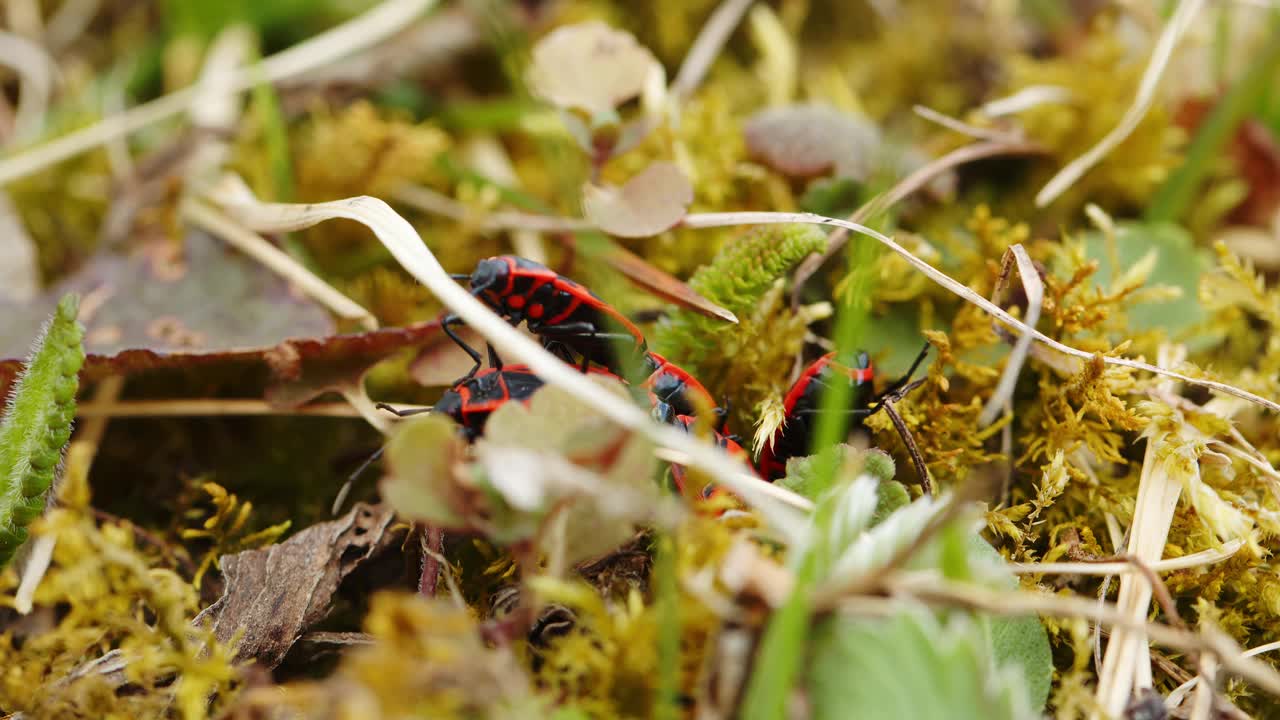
749 361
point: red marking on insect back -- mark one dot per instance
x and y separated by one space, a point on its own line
511 274
686 422
802 383
791 438
536 310
676 385
570 315
568 311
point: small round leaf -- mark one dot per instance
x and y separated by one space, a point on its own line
591 67
649 203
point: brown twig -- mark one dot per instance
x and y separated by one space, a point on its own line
1158 587
926 484
321 637
1175 671
431 541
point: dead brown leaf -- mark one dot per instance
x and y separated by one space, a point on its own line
275 594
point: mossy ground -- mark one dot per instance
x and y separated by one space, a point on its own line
139 533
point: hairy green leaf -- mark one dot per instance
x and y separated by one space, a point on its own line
37 424
1018 641
911 665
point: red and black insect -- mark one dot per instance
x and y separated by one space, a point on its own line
672 390
725 442
803 402
566 315
474 399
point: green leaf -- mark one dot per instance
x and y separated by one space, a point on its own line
37 424
1015 643
801 472
1178 264
910 665
1018 641
781 652
420 483
557 452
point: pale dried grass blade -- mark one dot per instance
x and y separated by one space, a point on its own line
903 189
706 46
428 200
1173 32
215 106
1204 557
936 591
1175 698
964 128
214 407
360 33
69 22
1025 99
635 268
20 270
783 509
1203 704
278 261
1126 665
1034 287
36 72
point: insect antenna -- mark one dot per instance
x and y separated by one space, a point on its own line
341 498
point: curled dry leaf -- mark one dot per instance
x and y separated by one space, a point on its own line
275 594
811 140
591 67
649 203
160 307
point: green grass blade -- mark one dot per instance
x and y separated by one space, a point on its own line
37 425
782 648
781 652
266 104
667 702
1175 195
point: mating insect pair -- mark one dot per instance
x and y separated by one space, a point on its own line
572 320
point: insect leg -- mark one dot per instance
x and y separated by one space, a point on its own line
445 325
402 413
915 365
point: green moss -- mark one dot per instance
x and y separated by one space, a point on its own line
745 362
